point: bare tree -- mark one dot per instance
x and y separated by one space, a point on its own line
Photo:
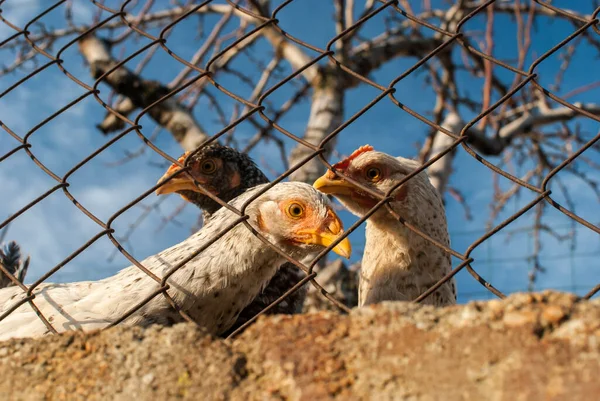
521 127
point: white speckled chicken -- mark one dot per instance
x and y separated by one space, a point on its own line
212 288
398 264
227 173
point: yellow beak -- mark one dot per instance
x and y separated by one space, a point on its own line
326 235
179 183
329 183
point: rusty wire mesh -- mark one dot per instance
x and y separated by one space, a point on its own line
386 93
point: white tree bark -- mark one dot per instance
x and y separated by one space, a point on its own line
326 114
142 93
368 56
440 171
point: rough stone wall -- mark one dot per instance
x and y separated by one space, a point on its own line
528 347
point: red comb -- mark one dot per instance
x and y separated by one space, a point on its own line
181 159
342 165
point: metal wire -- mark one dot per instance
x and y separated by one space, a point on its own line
451 36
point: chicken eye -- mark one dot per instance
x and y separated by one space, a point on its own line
208 166
295 210
373 174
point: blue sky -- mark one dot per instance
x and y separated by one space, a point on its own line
54 228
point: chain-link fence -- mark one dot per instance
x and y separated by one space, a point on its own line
440 38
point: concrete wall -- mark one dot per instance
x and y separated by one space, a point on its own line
528 347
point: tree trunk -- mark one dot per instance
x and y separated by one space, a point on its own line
326 114
440 171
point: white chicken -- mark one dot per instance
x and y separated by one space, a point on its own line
398 264
211 287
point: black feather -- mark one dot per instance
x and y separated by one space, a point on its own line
10 257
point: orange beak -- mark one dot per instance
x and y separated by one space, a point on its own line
326 235
176 184
331 184
182 182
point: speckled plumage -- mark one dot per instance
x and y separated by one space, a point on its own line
239 167
397 264
220 182
213 287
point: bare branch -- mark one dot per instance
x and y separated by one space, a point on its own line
440 171
111 122
536 116
142 93
202 51
289 51
488 66
368 56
